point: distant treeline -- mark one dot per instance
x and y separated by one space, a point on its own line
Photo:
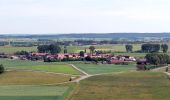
66 43
2 43
92 35
150 48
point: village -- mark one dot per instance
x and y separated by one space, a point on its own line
106 58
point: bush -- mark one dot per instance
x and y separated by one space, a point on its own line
158 59
22 53
1 69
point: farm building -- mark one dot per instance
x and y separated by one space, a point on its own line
141 64
120 59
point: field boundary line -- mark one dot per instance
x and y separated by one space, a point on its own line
79 70
13 69
114 73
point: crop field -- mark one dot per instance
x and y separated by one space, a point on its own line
30 85
124 86
76 49
139 55
104 68
10 50
31 78
71 49
26 92
39 66
114 48
117 49
67 69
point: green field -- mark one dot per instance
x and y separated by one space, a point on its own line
139 55
67 69
124 86
39 66
104 68
118 49
30 85
10 50
114 48
21 92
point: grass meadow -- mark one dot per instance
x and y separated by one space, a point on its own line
26 92
124 86
105 68
39 66
30 85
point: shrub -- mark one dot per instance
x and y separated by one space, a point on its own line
1 69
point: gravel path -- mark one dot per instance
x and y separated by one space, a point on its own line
79 70
86 75
160 69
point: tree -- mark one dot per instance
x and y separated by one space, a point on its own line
43 49
22 53
92 49
81 53
150 48
129 48
156 59
85 50
1 69
53 48
65 49
88 58
164 48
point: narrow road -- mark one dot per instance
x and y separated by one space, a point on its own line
160 69
167 73
86 75
79 69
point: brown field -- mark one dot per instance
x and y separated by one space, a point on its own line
31 78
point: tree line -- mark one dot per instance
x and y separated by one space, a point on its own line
158 59
52 48
149 48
